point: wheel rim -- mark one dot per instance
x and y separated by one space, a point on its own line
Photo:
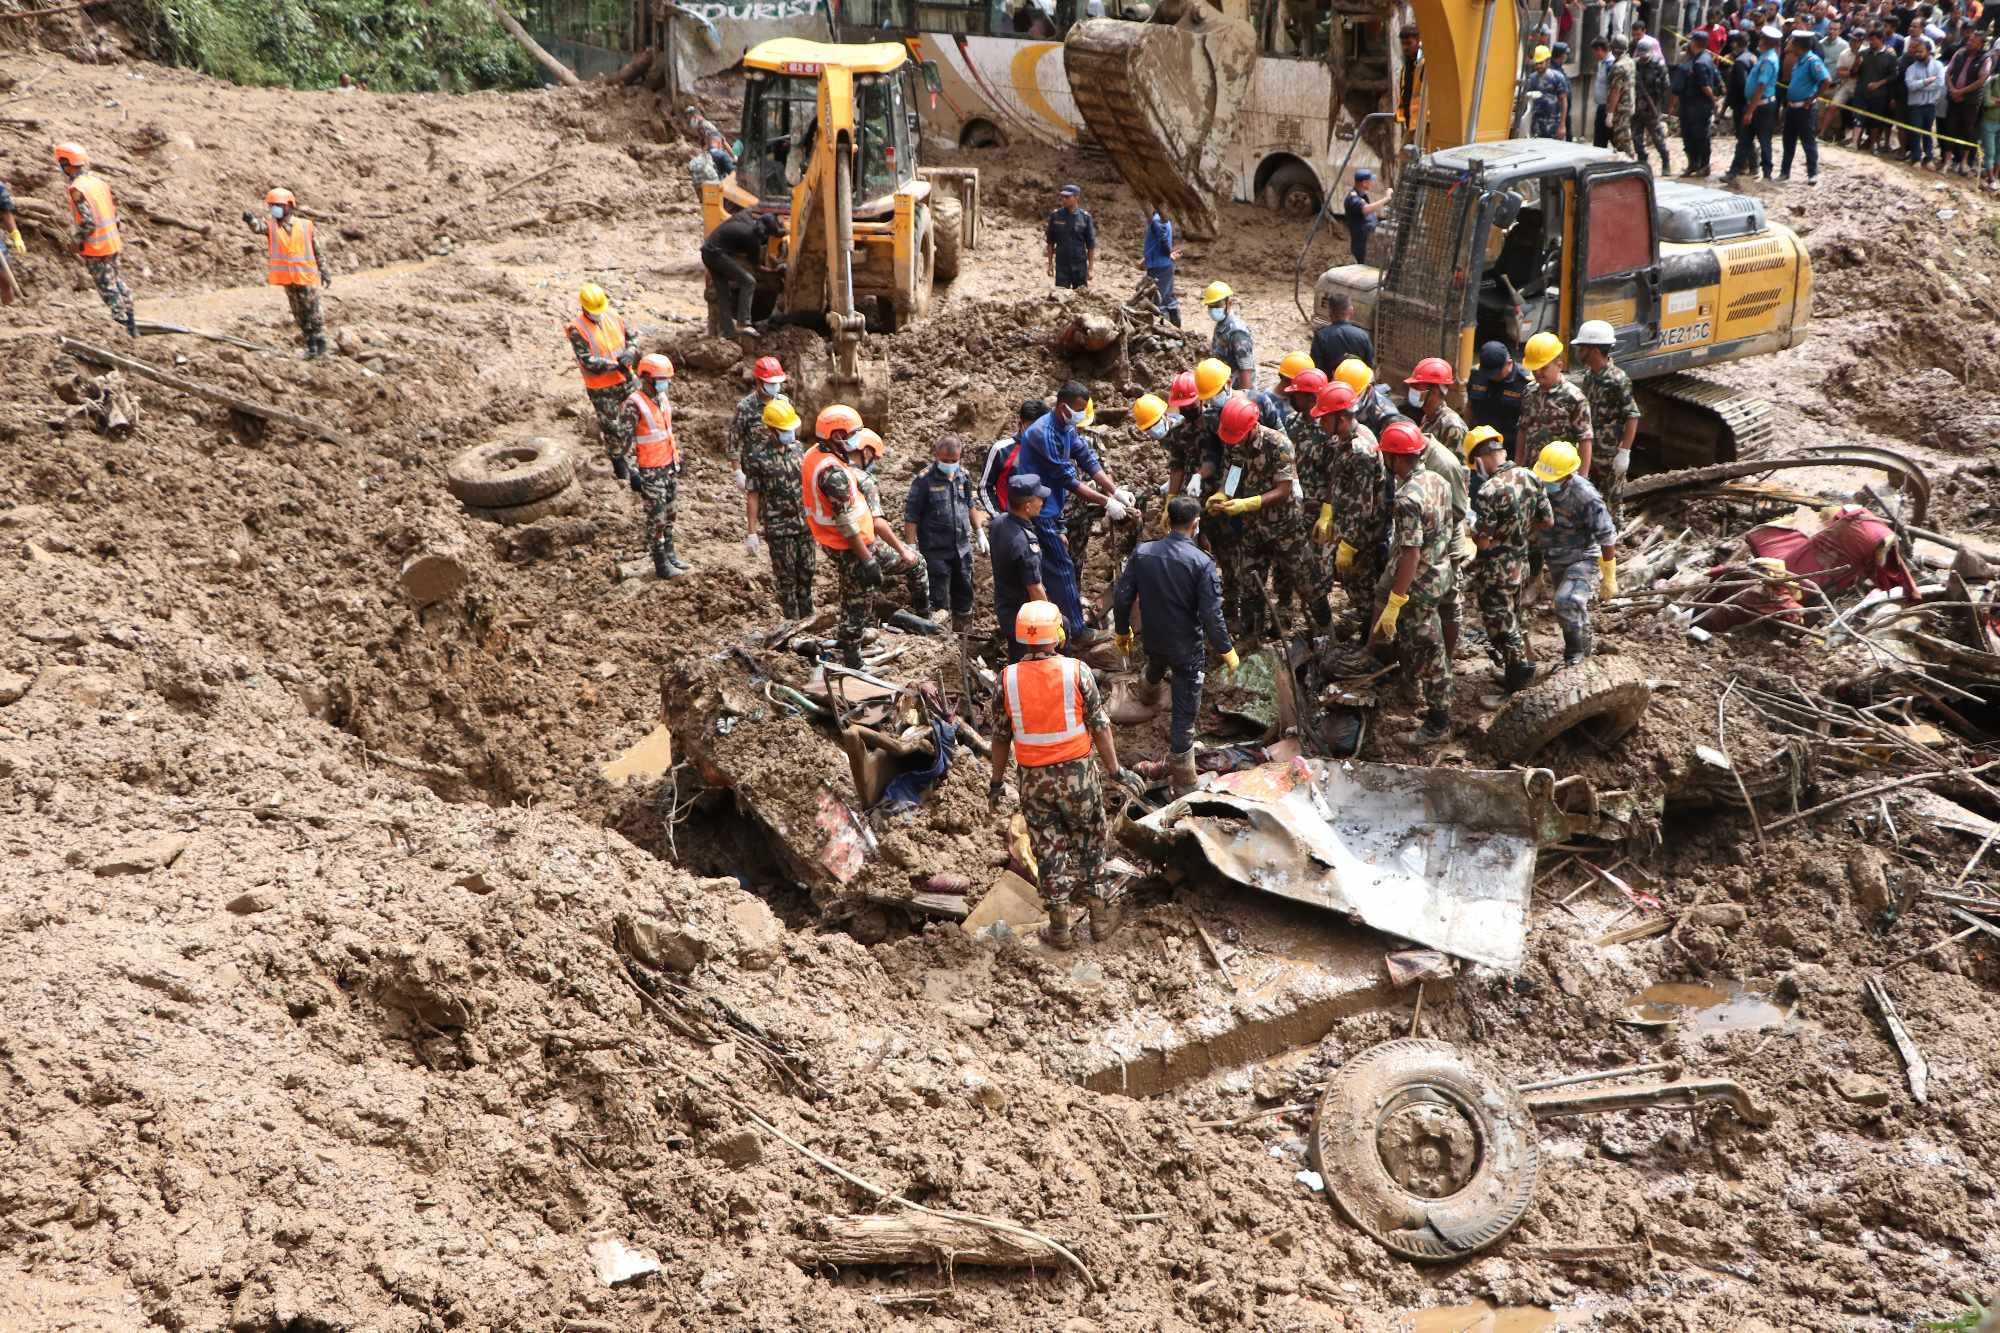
1428 1143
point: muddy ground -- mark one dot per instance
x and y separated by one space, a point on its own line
343 992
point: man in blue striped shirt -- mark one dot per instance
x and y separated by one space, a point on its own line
1159 262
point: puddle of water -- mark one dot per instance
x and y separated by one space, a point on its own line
650 758
1479 1317
1698 1008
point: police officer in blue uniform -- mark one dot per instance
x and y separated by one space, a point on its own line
1493 391
1072 237
1360 212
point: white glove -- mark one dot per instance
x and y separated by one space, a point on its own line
1194 484
752 545
985 547
1124 496
1621 463
1114 509
742 482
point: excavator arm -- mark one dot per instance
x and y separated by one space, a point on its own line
1467 100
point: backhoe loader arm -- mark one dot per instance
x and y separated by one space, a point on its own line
1461 102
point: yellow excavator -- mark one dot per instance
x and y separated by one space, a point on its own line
830 137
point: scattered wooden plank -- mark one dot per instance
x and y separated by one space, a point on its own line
920 1238
145 370
1914 1066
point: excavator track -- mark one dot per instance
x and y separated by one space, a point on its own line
1690 423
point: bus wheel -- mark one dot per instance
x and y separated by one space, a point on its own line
1292 190
981 134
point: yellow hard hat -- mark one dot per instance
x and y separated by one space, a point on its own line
1355 374
1541 53
592 299
779 414
1215 292
1480 435
1211 377
1293 363
1541 349
1557 460
1148 410
1038 624
1089 413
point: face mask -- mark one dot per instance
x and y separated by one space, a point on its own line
1416 397
658 389
788 436
1217 313
949 469
1158 430
1552 486
278 212
771 390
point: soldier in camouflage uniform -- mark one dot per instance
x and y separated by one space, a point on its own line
1581 543
771 463
1446 464
1418 577
1231 342
1427 385
1614 414
1618 98
98 242
839 518
646 436
1509 509
1354 517
1553 408
747 426
292 245
1267 502
1048 715
605 352
864 451
1312 450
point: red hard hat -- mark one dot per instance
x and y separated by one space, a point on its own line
1401 436
1183 393
1239 418
768 370
1432 370
1308 381
1335 397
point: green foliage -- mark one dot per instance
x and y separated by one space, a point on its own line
392 45
1962 1323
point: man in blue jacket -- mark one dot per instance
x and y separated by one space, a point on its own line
1159 262
1055 451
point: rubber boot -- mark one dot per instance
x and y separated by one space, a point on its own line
1060 933
674 557
660 565
315 348
1576 645
1181 776
1436 727
850 656
132 324
1518 675
632 478
618 466
1321 611
1106 916
1150 693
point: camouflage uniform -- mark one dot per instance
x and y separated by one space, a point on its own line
1609 394
1078 520
1063 804
857 600
1448 429
1231 344
607 403
1314 448
1358 488
1273 538
917 578
1183 445
659 487
1444 463
105 270
1422 518
747 425
307 310
1571 550
1548 415
1510 507
1620 121
771 471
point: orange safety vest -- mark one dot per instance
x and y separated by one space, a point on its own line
103 240
819 510
291 252
607 339
654 440
1045 704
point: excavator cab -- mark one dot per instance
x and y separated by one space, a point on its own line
780 132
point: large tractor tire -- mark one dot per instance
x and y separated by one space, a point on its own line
509 473
948 217
1603 696
565 501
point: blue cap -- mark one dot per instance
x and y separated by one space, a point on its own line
1492 356
1069 190
1026 486
1363 174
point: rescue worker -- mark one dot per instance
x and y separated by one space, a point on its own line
1340 338
1290 367
942 522
1183 437
1619 97
1313 449
1359 212
1178 591
1372 406
1700 90
1549 87
1017 555
998 453
1158 261
605 355
1231 343
10 231
1614 413
1413 77
1266 499
772 466
1055 451
747 425
646 436
1581 542
1152 424
292 249
1421 538
1427 386
1046 714
1354 517
1509 509
1449 465
1494 391
1080 520
1072 240
95 213
864 451
1553 408
730 253
839 518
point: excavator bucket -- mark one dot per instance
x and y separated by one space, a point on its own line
1163 99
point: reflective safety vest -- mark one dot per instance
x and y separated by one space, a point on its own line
607 339
103 240
1045 704
291 253
819 509
653 442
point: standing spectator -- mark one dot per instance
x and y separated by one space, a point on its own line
1809 75
1840 54
1989 120
1760 111
1925 81
1651 88
1159 262
1873 73
1736 83
1600 91
1072 238
1964 84
1701 88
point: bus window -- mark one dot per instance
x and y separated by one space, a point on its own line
947 16
1041 20
887 15
780 112
1297 28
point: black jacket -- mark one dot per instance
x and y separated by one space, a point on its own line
1178 585
1334 343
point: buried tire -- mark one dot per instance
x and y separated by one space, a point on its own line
948 217
509 473
565 501
1602 696
1426 1149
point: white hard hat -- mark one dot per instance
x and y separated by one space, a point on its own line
1594 333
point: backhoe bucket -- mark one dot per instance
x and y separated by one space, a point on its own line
1164 99
821 382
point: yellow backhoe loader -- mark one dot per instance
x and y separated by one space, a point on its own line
830 143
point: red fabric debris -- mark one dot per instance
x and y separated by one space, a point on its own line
1840 554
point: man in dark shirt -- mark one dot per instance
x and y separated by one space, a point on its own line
1334 343
1072 237
1700 88
728 253
10 239
1359 211
1179 591
942 522
1493 392
1875 71
1017 556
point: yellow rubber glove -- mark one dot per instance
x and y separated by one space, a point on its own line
1217 503
1124 642
1385 624
14 239
1247 505
1607 584
1232 661
1343 558
1323 530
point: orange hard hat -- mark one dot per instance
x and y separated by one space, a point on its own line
1308 381
836 417
1038 624
655 365
1183 392
1333 398
865 439
1239 418
72 155
1432 370
1293 364
769 370
281 196
1401 436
